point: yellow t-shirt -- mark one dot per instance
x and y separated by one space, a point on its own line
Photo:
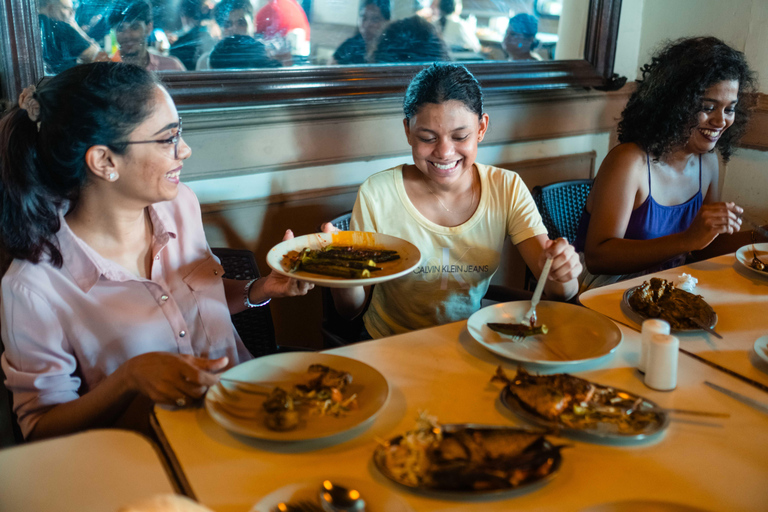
457 263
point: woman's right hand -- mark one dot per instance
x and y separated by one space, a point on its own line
172 378
711 220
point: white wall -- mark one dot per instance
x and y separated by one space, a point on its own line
743 24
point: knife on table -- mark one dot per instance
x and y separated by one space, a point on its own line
738 396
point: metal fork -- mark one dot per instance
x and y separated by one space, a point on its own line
530 316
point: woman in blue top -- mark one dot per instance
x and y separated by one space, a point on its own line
656 195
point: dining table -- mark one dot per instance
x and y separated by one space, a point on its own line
101 470
739 297
696 463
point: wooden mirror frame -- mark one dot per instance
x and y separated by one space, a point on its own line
323 85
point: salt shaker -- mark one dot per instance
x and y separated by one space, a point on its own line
650 327
661 365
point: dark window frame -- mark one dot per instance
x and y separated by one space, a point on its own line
323 85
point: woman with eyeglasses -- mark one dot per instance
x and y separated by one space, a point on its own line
112 296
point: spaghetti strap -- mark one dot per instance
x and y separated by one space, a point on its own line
699 173
648 163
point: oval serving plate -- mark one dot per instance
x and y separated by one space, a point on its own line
603 431
744 256
547 450
287 369
638 317
410 257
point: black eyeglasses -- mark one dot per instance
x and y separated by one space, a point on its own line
173 140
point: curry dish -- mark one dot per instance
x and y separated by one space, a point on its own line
660 299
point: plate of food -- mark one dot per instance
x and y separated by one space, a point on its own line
305 493
659 298
296 396
574 334
468 459
580 408
754 257
344 259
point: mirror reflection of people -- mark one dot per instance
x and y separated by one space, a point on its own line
656 197
65 44
196 40
284 27
113 296
411 40
241 52
458 212
457 33
235 18
374 16
133 25
520 39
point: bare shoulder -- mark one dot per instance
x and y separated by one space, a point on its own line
626 163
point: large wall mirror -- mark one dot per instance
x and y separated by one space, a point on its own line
226 53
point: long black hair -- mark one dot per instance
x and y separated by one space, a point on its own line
443 82
662 112
42 164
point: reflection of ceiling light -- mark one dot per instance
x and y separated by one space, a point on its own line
551 8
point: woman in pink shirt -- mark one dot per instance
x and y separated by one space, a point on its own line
113 293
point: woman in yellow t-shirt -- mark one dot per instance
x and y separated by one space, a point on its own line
456 211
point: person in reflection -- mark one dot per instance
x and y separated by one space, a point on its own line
374 16
133 25
520 39
235 18
458 212
457 33
411 40
656 197
65 44
284 27
196 40
113 293
241 52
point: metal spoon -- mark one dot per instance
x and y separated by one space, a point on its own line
337 498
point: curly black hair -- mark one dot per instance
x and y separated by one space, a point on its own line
662 112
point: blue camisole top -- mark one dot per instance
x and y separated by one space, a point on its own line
651 219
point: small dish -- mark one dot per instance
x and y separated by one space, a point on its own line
761 348
744 257
410 257
377 498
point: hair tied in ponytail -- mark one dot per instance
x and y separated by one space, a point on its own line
28 102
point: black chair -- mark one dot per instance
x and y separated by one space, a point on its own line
560 205
10 433
255 324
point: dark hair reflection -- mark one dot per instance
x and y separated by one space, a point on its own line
411 39
443 82
241 52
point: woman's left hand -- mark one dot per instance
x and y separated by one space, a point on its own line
565 261
277 285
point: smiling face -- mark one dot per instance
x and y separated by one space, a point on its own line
718 111
132 40
149 173
443 139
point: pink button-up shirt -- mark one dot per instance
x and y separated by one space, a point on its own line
66 329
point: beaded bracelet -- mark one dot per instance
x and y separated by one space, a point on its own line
247 299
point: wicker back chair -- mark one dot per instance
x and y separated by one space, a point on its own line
561 205
255 324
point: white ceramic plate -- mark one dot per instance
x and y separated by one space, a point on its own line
761 348
410 256
744 256
287 369
377 498
576 334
